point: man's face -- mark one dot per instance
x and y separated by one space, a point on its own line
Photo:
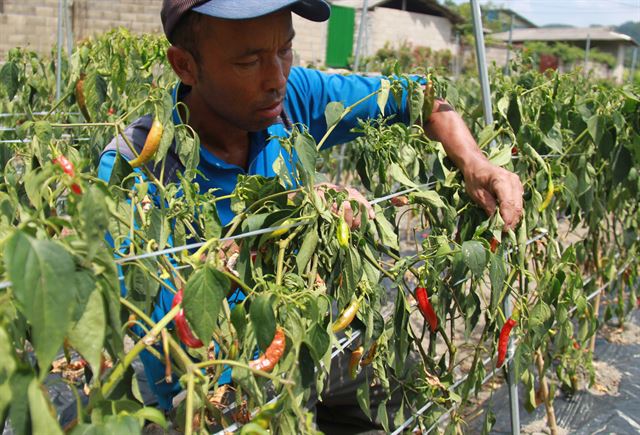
244 67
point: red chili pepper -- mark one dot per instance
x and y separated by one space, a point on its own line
514 150
68 169
426 308
494 244
272 354
182 327
503 340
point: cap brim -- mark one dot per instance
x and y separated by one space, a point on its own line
314 10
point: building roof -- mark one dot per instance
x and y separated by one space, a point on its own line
515 15
427 7
558 34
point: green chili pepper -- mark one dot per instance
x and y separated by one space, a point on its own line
343 233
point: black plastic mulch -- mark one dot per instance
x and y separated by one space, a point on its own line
584 412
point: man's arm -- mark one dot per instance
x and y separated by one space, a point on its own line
487 184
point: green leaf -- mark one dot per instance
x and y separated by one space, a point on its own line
95 92
9 79
513 113
42 273
19 409
398 175
263 320
43 419
333 112
383 95
305 147
203 296
318 340
386 231
353 270
239 319
307 249
427 197
362 396
475 256
247 381
497 276
553 138
153 415
383 417
95 220
500 157
188 147
87 335
7 367
489 421
165 115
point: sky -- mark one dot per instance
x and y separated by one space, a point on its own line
578 13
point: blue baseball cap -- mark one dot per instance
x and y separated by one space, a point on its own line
173 10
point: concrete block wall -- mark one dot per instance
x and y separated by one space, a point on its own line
91 17
396 26
310 43
28 23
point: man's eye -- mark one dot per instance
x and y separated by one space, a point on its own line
247 64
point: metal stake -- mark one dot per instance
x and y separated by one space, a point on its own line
488 117
482 62
363 23
59 49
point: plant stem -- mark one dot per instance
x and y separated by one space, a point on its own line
188 430
147 340
228 362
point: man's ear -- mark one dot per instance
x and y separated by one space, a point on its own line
183 64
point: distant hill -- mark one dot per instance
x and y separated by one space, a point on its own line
631 28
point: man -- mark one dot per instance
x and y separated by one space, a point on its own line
234 62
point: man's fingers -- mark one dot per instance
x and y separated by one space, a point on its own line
509 195
485 199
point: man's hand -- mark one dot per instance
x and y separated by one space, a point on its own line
487 184
354 219
490 186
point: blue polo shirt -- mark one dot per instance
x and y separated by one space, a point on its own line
308 93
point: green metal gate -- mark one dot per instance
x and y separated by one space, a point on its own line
340 36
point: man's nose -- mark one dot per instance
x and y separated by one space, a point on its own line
275 74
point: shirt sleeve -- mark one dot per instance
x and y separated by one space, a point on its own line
309 92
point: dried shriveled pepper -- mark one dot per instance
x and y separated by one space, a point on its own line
503 340
69 169
151 144
80 99
182 327
399 201
493 245
354 362
368 359
426 308
272 354
347 316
